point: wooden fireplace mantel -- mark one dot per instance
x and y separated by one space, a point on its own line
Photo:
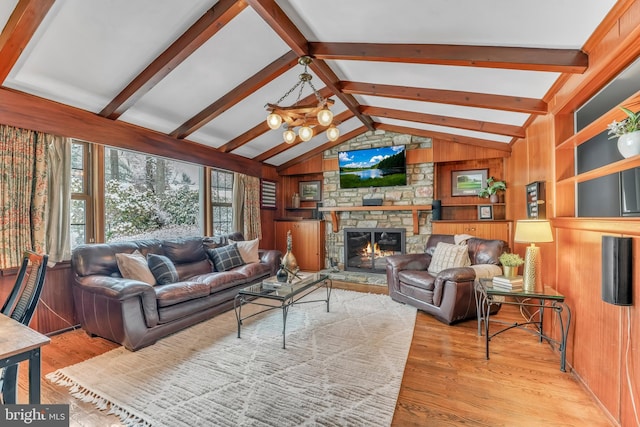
414 209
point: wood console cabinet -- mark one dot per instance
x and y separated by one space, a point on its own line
308 242
483 229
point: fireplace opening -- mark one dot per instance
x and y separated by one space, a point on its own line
366 249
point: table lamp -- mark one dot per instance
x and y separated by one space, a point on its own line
532 231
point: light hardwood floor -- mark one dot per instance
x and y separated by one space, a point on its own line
447 381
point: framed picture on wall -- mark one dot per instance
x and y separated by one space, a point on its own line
485 212
468 182
310 191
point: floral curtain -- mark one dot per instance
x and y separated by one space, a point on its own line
246 206
23 193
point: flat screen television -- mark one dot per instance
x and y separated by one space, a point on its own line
373 167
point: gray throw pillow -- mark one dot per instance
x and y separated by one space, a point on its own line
162 269
226 257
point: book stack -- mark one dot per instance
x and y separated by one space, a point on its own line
508 283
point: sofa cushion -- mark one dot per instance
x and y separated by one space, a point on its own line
248 250
447 255
417 278
162 269
134 266
226 257
175 293
184 250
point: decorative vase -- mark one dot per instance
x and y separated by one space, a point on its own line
282 275
629 144
289 260
295 200
510 271
494 198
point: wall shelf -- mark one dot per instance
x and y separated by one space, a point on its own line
414 209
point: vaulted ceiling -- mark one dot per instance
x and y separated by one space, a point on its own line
202 70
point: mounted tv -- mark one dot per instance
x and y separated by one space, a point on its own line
373 167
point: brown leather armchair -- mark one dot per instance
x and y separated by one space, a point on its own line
449 295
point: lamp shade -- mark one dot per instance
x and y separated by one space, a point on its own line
325 116
533 231
305 133
289 136
333 133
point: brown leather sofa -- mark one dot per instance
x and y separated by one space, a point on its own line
449 295
136 314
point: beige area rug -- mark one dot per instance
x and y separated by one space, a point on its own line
341 368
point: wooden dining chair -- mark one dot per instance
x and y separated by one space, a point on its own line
20 306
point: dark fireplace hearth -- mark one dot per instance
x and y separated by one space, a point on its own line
366 249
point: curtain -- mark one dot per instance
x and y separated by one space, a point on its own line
23 193
246 206
59 218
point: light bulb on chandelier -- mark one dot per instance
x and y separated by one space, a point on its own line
289 136
305 133
333 133
304 116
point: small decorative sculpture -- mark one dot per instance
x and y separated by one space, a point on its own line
289 260
282 275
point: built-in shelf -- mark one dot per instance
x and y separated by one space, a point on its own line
414 209
301 209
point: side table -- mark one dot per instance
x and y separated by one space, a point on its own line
487 295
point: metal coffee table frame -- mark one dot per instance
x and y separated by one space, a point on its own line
486 295
282 297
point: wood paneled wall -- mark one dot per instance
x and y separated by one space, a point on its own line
55 311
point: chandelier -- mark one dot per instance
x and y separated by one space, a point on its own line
304 117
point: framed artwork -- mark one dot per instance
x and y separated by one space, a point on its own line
485 212
267 194
310 191
468 182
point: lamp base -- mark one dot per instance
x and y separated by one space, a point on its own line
531 276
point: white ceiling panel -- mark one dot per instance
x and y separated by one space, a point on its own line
471 113
87 51
541 23
209 73
444 129
6 7
528 84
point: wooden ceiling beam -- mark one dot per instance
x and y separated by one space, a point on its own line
320 149
198 34
514 58
476 142
19 29
452 97
237 94
454 122
31 112
342 117
291 35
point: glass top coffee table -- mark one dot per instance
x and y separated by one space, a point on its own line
272 294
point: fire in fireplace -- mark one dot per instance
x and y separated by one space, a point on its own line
366 249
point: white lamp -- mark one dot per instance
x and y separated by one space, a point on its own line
532 231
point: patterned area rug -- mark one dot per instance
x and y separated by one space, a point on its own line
339 368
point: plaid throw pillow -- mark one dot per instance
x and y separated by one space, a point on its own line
226 257
447 255
162 269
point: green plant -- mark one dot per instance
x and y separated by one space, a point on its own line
628 125
492 187
511 260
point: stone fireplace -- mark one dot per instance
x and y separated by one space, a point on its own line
417 191
366 249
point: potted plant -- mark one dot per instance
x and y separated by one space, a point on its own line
492 189
628 133
510 263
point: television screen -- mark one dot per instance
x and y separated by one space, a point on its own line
373 167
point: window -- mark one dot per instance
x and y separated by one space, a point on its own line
81 206
150 197
221 201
